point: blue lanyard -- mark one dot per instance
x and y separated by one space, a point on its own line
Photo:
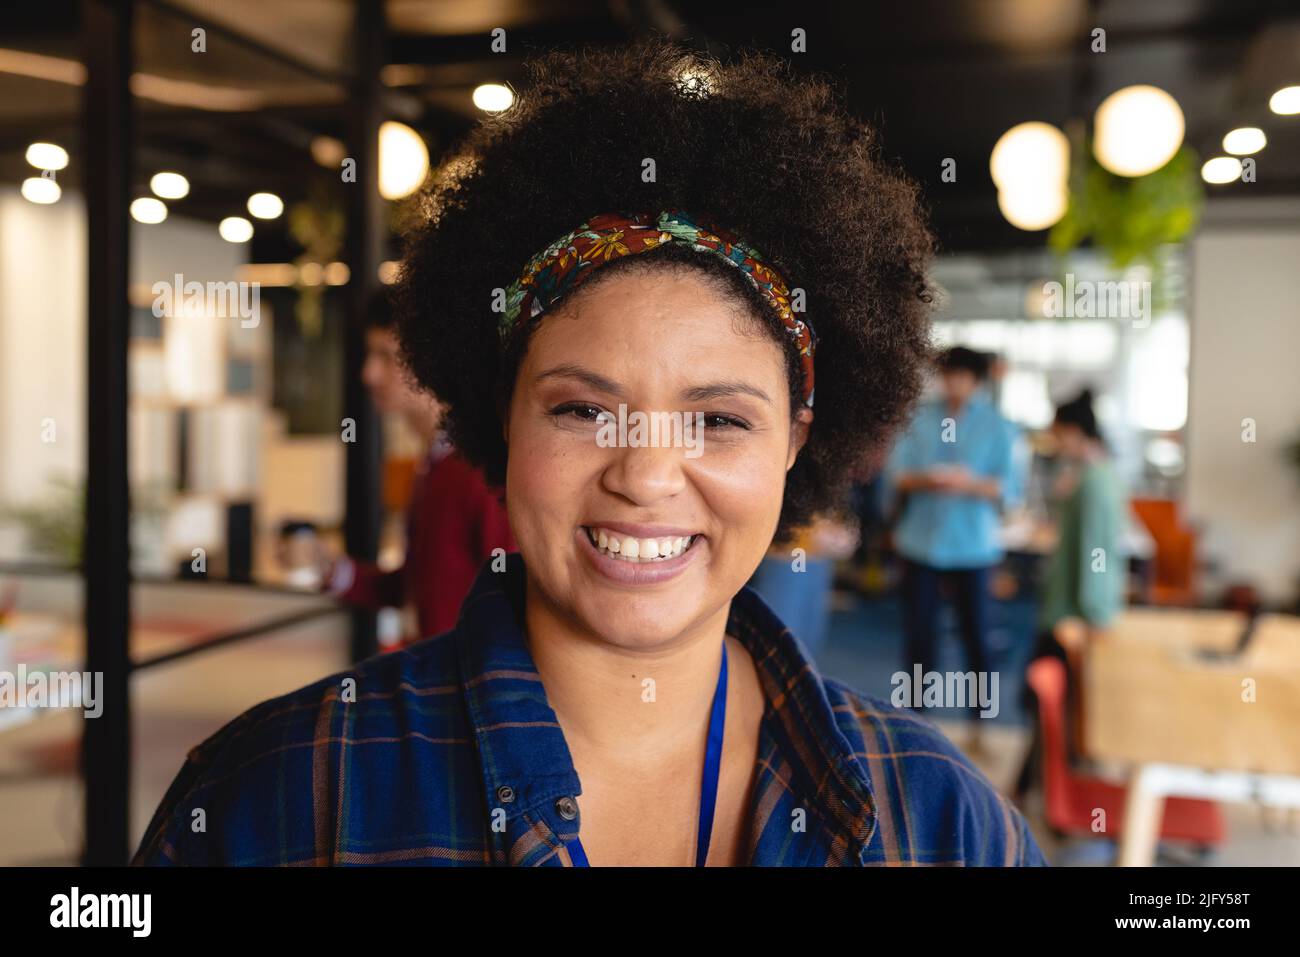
712 768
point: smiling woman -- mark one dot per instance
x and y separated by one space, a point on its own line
651 231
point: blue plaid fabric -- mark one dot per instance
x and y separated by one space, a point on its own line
447 753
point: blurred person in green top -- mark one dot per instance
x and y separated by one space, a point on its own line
1086 574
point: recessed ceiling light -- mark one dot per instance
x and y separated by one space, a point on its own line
1221 169
265 205
1286 101
1244 141
169 185
47 156
493 97
41 189
235 229
148 210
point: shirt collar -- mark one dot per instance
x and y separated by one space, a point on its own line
525 761
522 747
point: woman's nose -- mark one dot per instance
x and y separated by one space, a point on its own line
645 474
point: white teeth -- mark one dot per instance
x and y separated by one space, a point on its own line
628 548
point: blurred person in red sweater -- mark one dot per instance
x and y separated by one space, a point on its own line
454 521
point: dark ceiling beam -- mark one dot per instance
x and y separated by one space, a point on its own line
886 59
275 54
520 42
249 134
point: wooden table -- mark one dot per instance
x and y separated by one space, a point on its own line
1223 728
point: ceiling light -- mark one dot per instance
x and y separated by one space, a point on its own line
1138 130
47 156
1030 153
327 151
1286 101
265 205
148 210
235 229
1032 208
1244 141
403 160
169 185
41 189
1221 169
493 97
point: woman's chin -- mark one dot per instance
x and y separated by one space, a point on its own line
628 624
635 623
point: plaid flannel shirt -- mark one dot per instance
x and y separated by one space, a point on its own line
447 753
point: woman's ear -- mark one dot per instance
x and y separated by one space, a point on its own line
799 428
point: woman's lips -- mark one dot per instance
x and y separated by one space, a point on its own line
622 559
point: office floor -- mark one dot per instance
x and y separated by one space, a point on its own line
180 704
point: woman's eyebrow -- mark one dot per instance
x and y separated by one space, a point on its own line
570 371
699 393
718 390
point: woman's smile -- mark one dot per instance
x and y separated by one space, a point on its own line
638 554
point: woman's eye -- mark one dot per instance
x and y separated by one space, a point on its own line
716 420
586 412
581 410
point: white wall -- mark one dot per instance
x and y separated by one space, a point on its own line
42 343
1245 363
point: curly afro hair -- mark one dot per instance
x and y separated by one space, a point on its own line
772 156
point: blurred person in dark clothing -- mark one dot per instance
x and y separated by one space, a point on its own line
454 520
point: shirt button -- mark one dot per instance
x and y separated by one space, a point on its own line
567 808
506 794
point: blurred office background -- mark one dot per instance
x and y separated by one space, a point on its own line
229 426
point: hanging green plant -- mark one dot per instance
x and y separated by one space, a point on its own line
1129 218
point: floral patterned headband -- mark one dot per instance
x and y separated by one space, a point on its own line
569 260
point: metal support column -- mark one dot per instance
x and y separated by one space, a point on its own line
107 156
364 251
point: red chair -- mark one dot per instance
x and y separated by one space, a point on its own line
1071 798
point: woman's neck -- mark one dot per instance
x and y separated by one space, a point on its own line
621 701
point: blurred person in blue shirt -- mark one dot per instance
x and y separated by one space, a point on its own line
953 469
1013 496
